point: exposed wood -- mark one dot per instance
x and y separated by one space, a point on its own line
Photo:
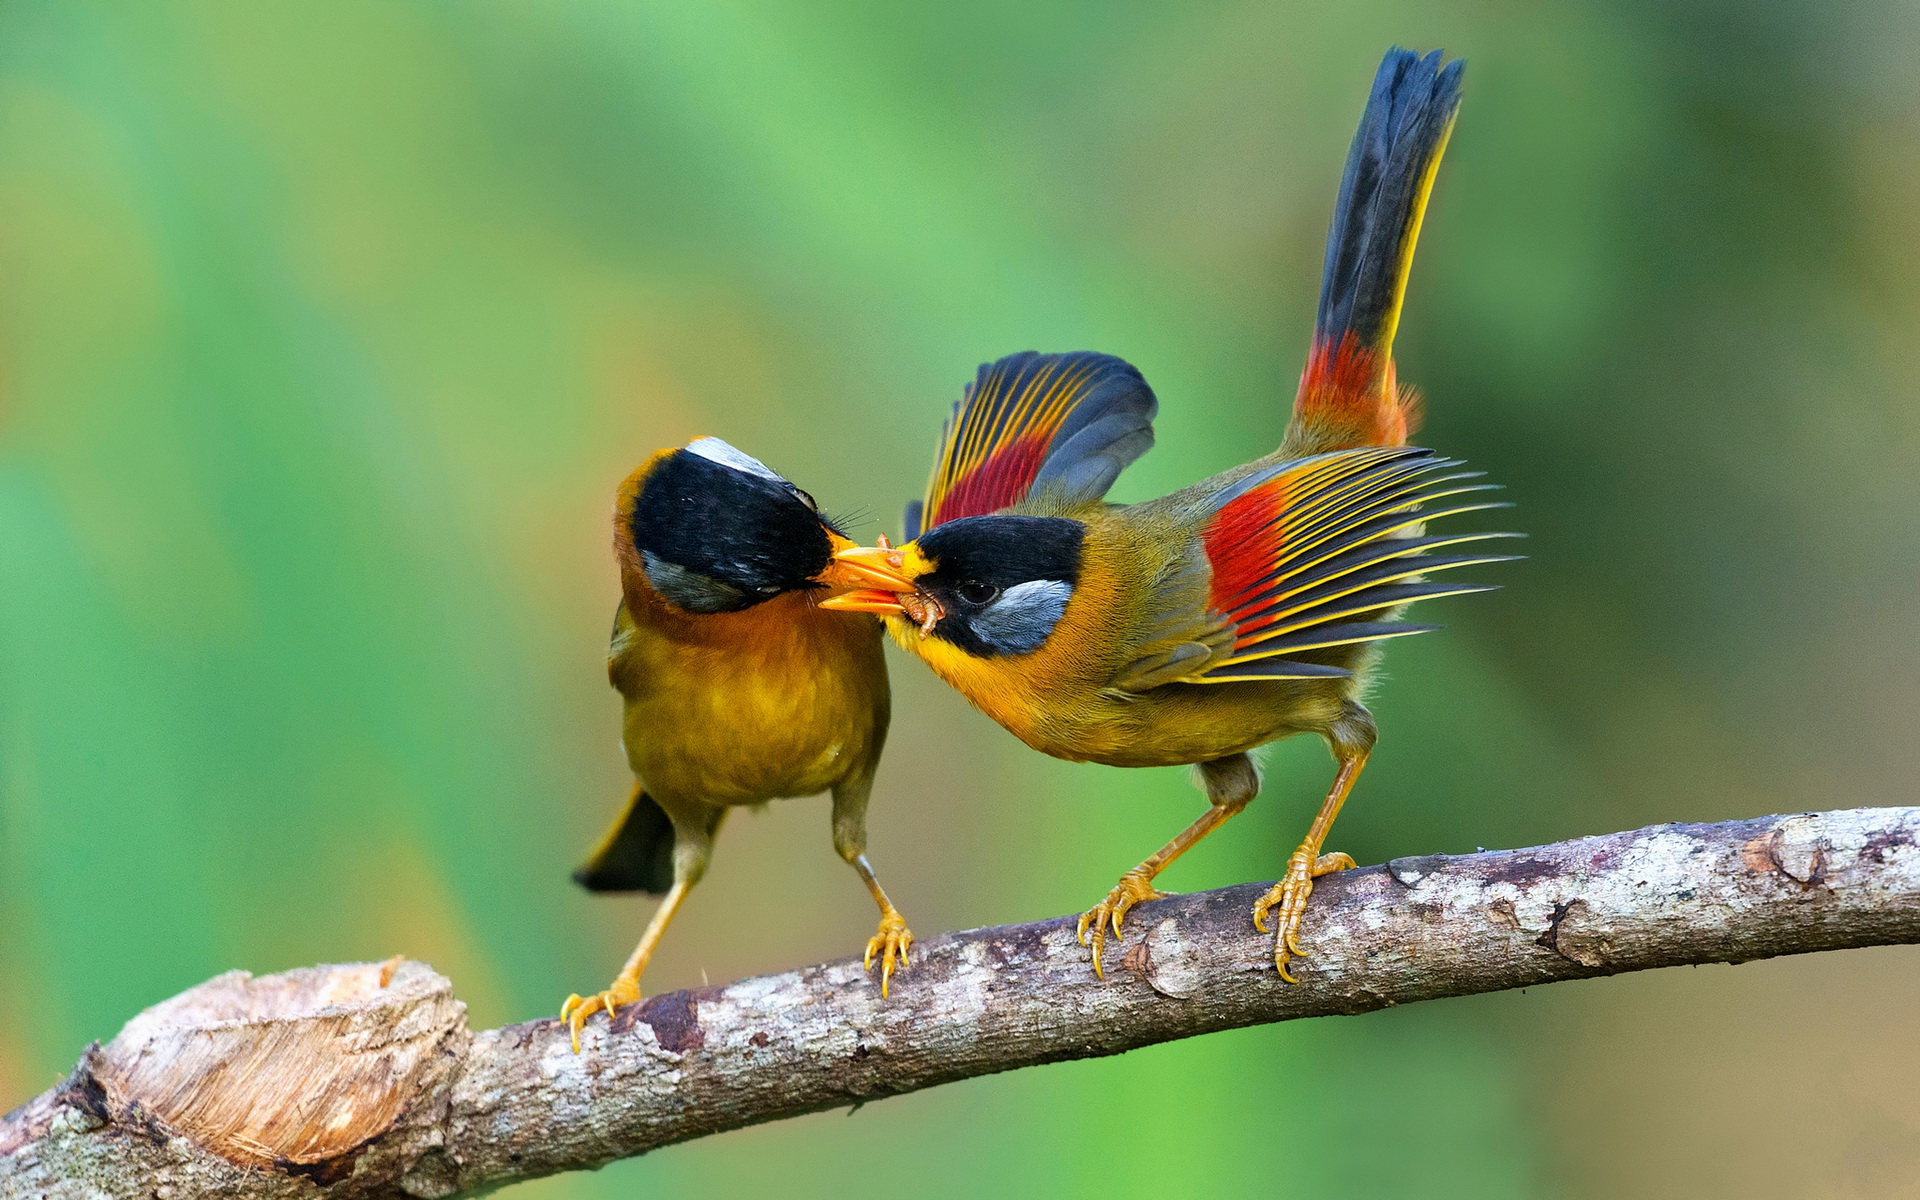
339 1081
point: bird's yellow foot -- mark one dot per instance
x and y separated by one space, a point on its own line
1133 888
891 942
574 1013
1290 894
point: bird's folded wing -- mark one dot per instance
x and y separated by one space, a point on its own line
1180 635
1031 422
1322 552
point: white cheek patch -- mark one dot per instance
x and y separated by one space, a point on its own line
1024 615
715 450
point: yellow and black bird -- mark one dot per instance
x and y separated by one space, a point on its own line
739 688
1193 628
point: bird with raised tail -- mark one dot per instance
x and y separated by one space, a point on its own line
1247 608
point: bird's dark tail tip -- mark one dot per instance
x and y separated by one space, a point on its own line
1347 395
637 853
1383 195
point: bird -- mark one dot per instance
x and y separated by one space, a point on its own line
1247 608
739 687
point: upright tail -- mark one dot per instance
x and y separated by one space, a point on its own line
1348 396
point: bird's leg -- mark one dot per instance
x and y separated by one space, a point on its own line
1352 740
692 850
625 988
893 938
1304 866
1231 784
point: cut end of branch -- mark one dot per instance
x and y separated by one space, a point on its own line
299 1071
302 1074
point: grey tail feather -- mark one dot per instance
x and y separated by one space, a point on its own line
1408 114
637 853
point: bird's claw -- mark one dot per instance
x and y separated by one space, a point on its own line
574 1013
892 941
1133 888
1290 896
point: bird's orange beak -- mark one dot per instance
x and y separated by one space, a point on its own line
876 585
871 576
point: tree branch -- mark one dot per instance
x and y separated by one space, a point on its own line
337 1081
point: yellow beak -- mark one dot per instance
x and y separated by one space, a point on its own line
879 585
872 573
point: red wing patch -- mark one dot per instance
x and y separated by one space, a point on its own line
1032 417
997 481
1302 559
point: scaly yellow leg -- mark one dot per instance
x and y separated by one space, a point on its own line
1136 886
625 988
1304 866
894 938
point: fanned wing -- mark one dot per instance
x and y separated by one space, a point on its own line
1069 423
1311 554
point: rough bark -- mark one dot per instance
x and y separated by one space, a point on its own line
338 1081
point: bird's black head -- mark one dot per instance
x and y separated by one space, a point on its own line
716 531
1002 582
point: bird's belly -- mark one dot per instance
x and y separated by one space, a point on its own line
744 745
1186 723
736 729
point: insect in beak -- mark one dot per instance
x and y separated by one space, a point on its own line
877 585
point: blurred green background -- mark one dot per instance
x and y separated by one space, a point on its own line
329 329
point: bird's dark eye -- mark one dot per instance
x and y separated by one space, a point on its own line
977 594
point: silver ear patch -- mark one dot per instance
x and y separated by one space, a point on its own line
689 589
1024 615
715 450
